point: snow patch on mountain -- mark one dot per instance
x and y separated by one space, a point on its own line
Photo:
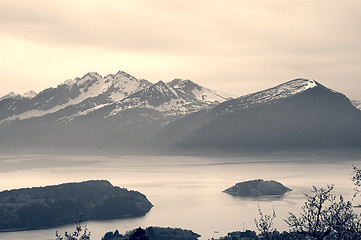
10 95
30 94
198 92
114 86
209 95
281 91
117 92
38 113
357 104
158 96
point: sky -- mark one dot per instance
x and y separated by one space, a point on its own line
232 46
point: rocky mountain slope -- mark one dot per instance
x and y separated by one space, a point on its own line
298 114
124 114
116 111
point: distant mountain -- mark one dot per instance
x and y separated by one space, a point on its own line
11 95
81 93
121 113
117 111
299 114
30 94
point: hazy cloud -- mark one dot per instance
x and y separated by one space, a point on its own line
233 46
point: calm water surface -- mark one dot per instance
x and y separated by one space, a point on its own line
186 191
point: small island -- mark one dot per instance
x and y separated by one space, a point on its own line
50 206
256 188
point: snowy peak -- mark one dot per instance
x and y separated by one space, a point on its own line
198 92
82 93
156 94
185 85
164 98
282 91
11 95
293 87
114 86
122 84
30 94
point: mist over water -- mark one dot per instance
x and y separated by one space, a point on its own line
186 191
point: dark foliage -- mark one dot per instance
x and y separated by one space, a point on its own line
80 233
44 207
153 233
265 224
325 216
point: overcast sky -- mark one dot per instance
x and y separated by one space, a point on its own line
234 46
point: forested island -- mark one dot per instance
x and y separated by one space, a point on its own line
45 207
256 188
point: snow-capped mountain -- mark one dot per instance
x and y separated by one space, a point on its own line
120 91
30 94
281 91
200 93
175 98
301 113
121 113
86 92
117 110
11 95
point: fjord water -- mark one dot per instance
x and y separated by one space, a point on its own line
186 191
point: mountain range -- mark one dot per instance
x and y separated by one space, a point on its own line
124 114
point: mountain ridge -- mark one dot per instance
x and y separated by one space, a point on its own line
316 117
90 92
179 116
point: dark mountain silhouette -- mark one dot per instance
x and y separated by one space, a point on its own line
300 114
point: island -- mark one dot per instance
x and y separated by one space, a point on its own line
50 206
258 187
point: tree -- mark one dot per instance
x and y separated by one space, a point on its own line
78 234
139 234
341 219
325 215
356 179
265 224
312 220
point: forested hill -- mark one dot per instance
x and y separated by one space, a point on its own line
44 207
